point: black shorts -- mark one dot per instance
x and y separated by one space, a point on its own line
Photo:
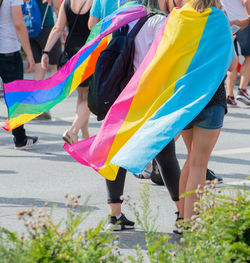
38 44
243 38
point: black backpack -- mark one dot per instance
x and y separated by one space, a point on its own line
114 69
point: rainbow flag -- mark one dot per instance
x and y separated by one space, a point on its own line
181 72
26 99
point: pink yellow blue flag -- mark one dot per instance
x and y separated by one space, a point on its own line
180 74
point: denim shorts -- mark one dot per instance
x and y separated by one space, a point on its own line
243 37
210 118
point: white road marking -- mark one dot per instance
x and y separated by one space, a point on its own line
231 151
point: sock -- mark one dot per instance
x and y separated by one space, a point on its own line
118 217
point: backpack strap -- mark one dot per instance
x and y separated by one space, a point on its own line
139 25
44 16
67 2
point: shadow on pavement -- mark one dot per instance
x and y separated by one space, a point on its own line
219 159
237 131
130 238
27 202
46 156
60 122
234 176
7 172
238 115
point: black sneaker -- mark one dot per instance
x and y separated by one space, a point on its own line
120 224
243 96
26 144
211 176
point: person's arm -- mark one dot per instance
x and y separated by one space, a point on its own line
93 21
48 1
55 33
95 15
22 34
243 23
163 5
56 6
246 3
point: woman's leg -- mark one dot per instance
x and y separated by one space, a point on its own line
117 221
82 115
86 113
115 190
187 136
170 170
203 143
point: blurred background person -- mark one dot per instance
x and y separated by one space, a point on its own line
38 44
75 13
238 12
13 30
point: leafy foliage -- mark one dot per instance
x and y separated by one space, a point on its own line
220 232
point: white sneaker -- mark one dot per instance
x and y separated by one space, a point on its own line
147 172
27 144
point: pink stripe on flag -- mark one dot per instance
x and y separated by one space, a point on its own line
117 22
94 152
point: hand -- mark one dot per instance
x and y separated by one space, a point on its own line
47 1
30 64
45 61
242 23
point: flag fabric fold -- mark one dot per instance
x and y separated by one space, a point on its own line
26 99
181 72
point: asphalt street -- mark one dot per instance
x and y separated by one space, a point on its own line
46 173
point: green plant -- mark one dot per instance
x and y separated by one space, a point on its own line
62 242
219 233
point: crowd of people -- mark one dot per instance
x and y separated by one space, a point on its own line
80 16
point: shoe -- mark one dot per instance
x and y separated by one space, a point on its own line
156 176
178 228
211 176
26 144
243 96
146 174
119 224
231 101
70 137
44 116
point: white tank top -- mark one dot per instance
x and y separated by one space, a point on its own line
235 9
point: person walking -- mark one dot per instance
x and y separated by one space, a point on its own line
76 14
38 44
200 137
101 9
13 30
166 159
238 12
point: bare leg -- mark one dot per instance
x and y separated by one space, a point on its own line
53 70
231 80
82 113
115 209
202 145
245 73
39 72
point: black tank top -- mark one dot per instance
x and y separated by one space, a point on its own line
80 32
219 97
